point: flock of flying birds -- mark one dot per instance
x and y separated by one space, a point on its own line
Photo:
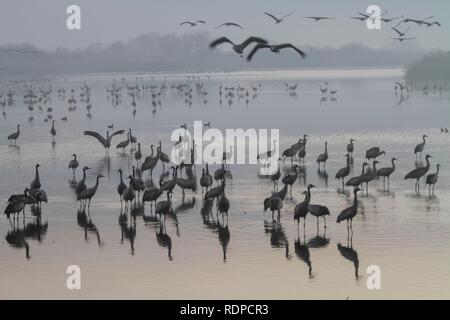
263 44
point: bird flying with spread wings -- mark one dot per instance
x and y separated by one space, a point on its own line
277 20
237 47
275 49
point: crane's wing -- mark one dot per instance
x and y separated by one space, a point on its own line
96 135
201 21
223 24
272 16
399 84
251 40
399 33
364 15
289 45
216 42
235 24
116 133
255 49
186 22
285 16
437 23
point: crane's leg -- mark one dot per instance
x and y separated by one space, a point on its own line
324 222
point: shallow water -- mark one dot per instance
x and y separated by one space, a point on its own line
405 234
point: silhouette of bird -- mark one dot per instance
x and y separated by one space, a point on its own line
164 207
275 48
192 23
386 172
36 183
73 164
317 19
419 148
301 209
237 47
106 142
344 172
151 195
121 187
401 34
87 194
351 147
81 185
374 153
358 180
349 213
14 136
206 179
229 24
277 20
419 173
323 157
432 179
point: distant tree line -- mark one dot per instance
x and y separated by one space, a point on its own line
174 53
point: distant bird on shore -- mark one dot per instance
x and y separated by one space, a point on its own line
237 47
229 24
14 136
277 20
275 49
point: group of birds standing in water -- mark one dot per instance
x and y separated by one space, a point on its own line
360 182
132 193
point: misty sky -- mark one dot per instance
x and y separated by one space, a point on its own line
42 22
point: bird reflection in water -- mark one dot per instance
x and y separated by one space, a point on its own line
85 222
350 254
323 175
278 238
319 241
16 238
224 236
164 240
128 230
302 252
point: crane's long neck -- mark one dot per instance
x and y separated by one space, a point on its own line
355 200
363 169
424 141
428 163
307 197
374 167
437 171
120 173
326 147
393 164
207 169
348 162
37 172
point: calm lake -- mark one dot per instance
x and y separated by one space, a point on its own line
406 235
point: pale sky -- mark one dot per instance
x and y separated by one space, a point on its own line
42 22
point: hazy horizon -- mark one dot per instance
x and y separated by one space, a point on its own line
42 23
